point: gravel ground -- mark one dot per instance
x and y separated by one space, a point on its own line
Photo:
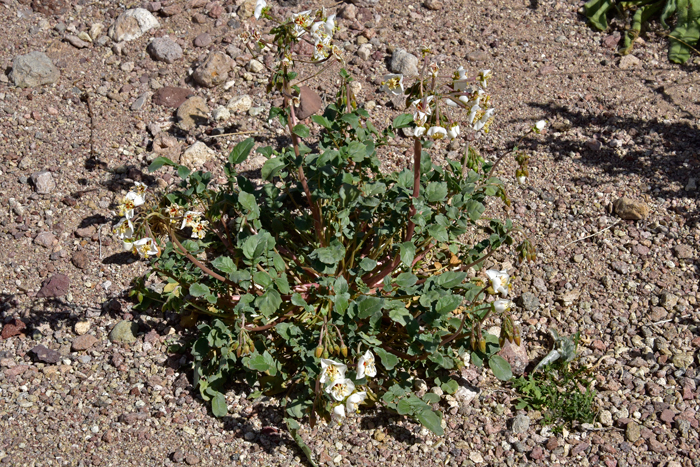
92 395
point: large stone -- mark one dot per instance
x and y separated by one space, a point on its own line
239 104
196 155
521 423
213 71
516 355
631 209
247 9
170 96
50 7
629 61
83 342
404 63
124 332
164 49
56 286
132 24
309 103
13 328
529 301
33 69
43 182
45 355
45 239
194 111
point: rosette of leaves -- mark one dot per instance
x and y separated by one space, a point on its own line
684 15
287 281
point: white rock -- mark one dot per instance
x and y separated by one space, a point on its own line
465 395
96 30
132 24
196 155
240 104
221 114
364 51
81 327
255 66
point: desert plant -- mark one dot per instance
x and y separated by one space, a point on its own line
636 13
332 262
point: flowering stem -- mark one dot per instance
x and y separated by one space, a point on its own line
417 149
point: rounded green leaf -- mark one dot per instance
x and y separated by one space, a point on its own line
500 367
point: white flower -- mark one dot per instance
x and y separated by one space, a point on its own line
127 246
460 79
423 105
332 370
393 84
174 211
140 188
539 126
521 179
484 76
418 131
499 281
145 247
136 197
198 229
321 48
127 205
301 21
355 400
340 388
259 5
500 306
434 69
473 112
365 366
191 218
453 132
124 229
484 121
329 25
419 118
437 132
338 413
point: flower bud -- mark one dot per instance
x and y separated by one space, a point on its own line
319 351
344 351
482 345
336 349
325 353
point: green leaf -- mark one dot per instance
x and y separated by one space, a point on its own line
389 360
331 254
431 420
689 33
436 192
199 290
269 302
402 121
368 264
321 120
250 245
406 279
500 367
272 167
439 233
218 405
224 264
159 162
301 130
431 398
407 252
596 12
400 315
248 202
367 306
241 151
450 387
183 172
451 279
474 209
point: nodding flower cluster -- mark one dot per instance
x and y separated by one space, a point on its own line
428 120
147 246
124 229
319 27
342 389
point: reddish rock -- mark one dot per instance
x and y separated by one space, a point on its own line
688 393
667 416
171 10
537 453
152 337
16 370
552 443
13 328
80 260
516 355
202 40
215 10
50 7
598 345
83 342
170 96
579 448
612 40
86 232
45 355
56 286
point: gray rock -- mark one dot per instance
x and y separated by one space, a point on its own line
521 423
668 300
164 49
633 432
683 251
528 301
194 111
630 209
196 155
221 113
132 24
45 355
255 66
213 71
45 239
33 69
255 111
43 182
478 56
83 342
202 40
140 101
76 42
404 63
364 52
124 332
629 61
348 12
